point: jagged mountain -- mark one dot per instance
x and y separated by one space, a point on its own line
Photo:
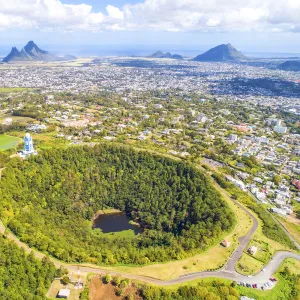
14 54
35 53
221 53
31 52
290 65
160 54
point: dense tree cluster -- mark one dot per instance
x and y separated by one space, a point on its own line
215 290
49 200
21 275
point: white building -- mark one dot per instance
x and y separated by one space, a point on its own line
252 250
236 182
233 138
280 129
64 293
7 121
28 147
279 211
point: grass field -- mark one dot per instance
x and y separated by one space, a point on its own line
20 119
292 228
8 142
249 265
56 286
10 90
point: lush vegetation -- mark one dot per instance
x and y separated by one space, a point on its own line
21 275
215 290
270 227
206 290
48 202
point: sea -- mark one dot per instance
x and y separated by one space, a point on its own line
135 50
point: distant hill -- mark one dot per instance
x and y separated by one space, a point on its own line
69 57
160 54
221 53
31 52
290 65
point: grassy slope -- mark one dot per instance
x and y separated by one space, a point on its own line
8 142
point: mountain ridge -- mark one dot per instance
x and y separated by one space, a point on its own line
221 53
290 65
31 52
160 54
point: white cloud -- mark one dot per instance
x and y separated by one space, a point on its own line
114 12
49 14
170 15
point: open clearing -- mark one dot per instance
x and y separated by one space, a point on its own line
57 285
249 265
101 291
20 119
8 142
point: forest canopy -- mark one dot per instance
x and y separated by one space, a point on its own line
49 200
22 276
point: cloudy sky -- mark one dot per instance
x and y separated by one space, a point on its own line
252 25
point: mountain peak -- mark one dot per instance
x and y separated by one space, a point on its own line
160 54
31 43
221 53
14 54
30 52
33 50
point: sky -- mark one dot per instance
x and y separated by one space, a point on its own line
186 25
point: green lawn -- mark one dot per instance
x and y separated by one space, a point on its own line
10 90
7 142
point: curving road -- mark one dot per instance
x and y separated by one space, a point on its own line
227 272
244 241
258 279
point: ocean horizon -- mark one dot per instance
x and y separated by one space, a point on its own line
135 50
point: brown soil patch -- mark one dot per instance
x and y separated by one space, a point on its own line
293 219
101 291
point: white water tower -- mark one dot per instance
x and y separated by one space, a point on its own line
28 144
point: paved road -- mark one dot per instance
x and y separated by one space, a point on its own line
228 272
258 279
244 241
